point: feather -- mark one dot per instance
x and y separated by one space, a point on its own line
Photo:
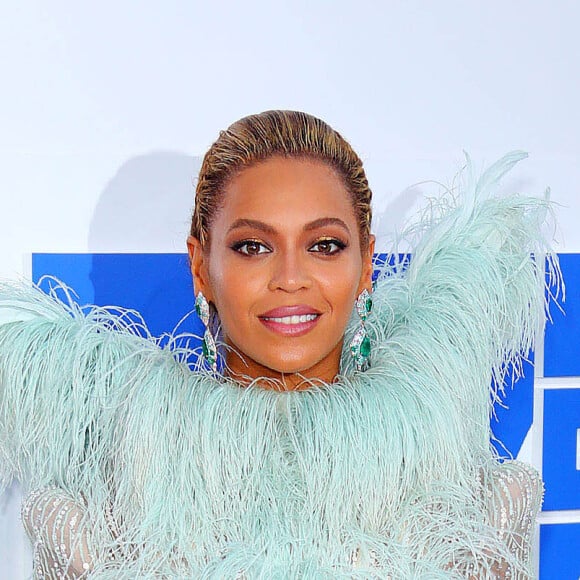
376 471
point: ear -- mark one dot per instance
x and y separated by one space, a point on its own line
366 280
199 267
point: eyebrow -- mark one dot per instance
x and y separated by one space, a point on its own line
255 224
266 228
323 222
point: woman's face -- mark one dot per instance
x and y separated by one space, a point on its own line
283 269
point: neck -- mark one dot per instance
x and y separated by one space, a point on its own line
246 371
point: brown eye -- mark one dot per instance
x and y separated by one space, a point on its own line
327 247
251 248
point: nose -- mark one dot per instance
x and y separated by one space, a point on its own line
290 273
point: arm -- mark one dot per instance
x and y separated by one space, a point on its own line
514 494
59 531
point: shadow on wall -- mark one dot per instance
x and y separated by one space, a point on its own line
389 219
144 210
147 205
138 232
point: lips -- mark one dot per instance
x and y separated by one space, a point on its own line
294 320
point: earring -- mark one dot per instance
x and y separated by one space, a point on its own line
208 346
360 345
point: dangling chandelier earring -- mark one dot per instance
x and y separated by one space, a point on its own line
360 345
208 344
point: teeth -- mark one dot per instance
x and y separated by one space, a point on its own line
294 319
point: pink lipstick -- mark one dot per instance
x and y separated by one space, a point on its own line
292 321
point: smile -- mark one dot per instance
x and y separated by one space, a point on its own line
293 319
290 321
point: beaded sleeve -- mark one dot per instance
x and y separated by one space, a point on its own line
60 533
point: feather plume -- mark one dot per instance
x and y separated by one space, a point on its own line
374 474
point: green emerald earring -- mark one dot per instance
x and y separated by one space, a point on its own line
208 346
360 345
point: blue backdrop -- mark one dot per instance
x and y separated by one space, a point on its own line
159 287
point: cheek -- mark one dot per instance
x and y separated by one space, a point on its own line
233 288
240 289
339 286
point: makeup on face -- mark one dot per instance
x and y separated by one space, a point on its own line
284 269
292 321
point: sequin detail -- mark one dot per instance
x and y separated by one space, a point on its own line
58 528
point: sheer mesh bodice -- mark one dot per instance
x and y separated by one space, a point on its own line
61 534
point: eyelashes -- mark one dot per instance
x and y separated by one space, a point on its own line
250 248
328 246
323 246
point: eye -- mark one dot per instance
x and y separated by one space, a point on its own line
251 248
327 247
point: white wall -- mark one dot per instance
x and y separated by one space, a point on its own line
87 88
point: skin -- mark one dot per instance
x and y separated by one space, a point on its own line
286 235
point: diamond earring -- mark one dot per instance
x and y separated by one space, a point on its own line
360 345
208 346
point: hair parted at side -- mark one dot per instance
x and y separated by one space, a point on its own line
277 133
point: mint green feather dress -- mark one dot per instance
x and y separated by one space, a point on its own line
138 467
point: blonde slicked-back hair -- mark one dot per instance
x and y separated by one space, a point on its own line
277 133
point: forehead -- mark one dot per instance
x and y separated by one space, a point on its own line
280 189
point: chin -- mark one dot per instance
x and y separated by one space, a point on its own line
287 368
308 360
297 365
293 369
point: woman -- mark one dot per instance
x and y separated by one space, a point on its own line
310 446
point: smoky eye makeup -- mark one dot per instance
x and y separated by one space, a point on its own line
250 247
328 245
